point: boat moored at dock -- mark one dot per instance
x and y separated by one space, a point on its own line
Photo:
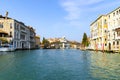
7 47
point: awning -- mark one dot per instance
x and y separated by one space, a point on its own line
117 29
3 32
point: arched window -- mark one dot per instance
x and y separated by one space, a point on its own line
117 42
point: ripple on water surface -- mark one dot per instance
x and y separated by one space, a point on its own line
59 65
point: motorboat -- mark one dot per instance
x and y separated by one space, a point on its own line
7 47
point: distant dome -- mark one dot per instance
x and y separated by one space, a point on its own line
63 37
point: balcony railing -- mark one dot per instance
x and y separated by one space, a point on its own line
117 27
22 40
118 37
24 31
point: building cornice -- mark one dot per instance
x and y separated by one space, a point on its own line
97 19
113 10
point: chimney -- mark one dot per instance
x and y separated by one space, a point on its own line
6 15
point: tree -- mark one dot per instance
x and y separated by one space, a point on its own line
3 40
46 43
85 41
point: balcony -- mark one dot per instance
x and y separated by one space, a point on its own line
22 40
22 37
118 38
117 27
24 31
118 33
32 36
94 37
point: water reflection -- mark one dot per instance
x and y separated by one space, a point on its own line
6 60
107 66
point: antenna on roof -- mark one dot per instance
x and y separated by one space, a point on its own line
6 15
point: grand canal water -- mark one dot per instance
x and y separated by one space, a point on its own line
59 65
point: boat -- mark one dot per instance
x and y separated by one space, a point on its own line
7 47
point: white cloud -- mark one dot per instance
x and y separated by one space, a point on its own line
77 10
74 7
92 2
80 13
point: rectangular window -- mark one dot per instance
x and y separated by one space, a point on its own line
22 28
15 25
17 44
113 14
117 42
105 44
118 33
105 39
105 21
1 26
10 34
18 27
10 25
105 31
117 12
109 16
113 43
22 37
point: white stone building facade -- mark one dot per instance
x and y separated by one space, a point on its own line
110 33
18 33
113 30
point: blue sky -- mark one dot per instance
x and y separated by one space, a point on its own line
57 18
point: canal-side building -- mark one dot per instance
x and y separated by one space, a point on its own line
98 31
54 43
37 41
74 44
64 43
105 32
59 43
53 40
114 30
17 33
32 38
20 35
6 32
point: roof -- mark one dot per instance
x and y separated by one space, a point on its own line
31 29
4 17
37 36
97 19
113 10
